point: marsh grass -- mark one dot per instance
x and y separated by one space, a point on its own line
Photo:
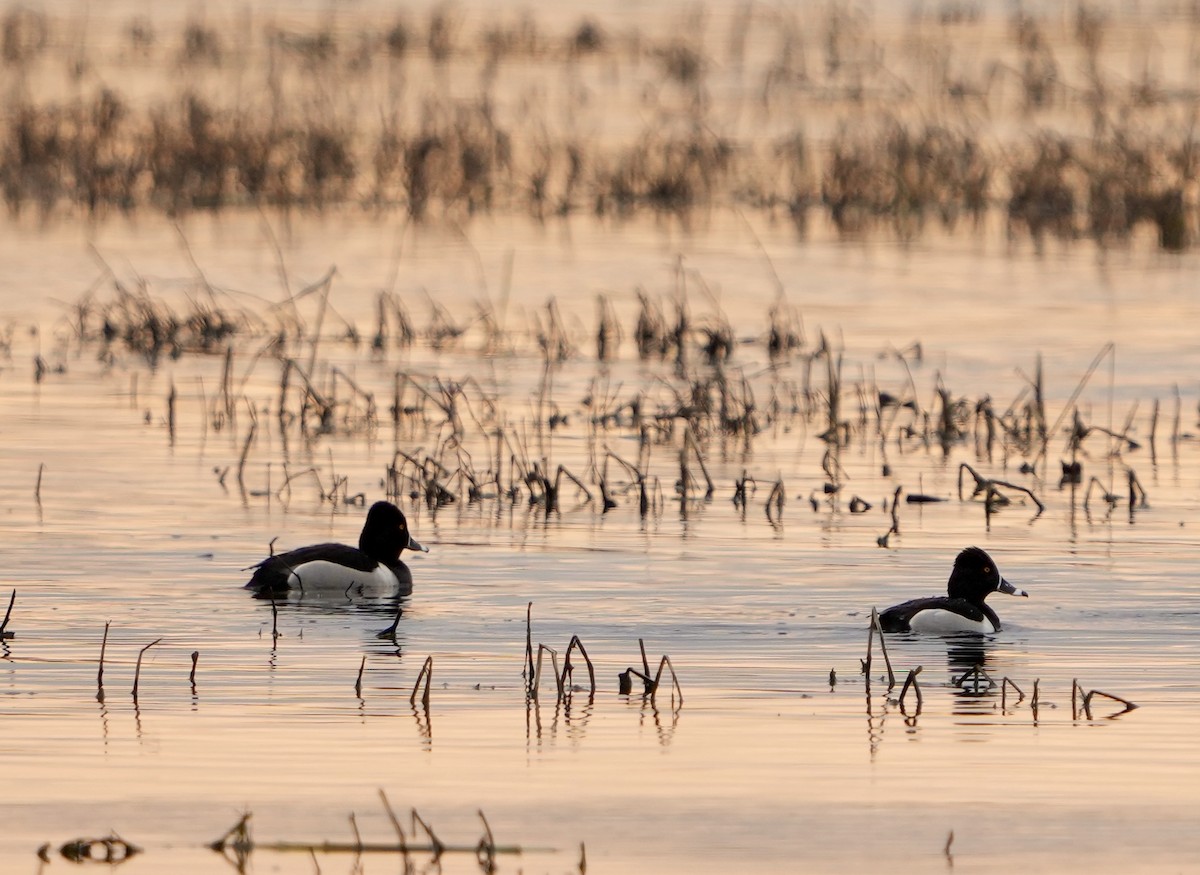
358 115
688 410
237 844
699 394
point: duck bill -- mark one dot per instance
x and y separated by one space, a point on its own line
1009 589
414 544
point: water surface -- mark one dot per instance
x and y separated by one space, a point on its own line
111 516
764 764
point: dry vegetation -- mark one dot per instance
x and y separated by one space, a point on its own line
672 393
941 117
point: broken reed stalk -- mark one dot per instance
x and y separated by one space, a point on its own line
562 470
192 673
883 539
1106 350
245 452
911 681
1153 430
1137 494
229 405
358 681
137 672
4 624
387 807
485 851
369 398
37 489
530 686
689 442
1087 701
978 676
1178 415
535 681
553 664
1080 698
567 669
390 631
639 477
650 684
237 839
866 663
327 847
274 614
111 849
1005 683
436 846
281 413
875 626
171 395
675 688
100 671
324 285
776 500
989 487
426 674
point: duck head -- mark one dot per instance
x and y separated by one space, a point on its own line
975 577
385 534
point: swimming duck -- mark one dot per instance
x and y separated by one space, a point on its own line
375 564
973 579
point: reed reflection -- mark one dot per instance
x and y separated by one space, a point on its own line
573 717
964 652
875 721
664 729
424 722
970 661
975 677
293 607
968 658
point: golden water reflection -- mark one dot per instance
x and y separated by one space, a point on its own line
766 766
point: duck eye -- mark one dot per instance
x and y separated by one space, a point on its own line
987 569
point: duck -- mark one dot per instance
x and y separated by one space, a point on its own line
373 565
973 578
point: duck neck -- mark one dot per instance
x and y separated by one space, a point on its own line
378 549
960 587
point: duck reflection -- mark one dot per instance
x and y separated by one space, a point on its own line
380 616
972 668
971 662
964 652
348 602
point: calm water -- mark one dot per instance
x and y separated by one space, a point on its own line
764 765
108 517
